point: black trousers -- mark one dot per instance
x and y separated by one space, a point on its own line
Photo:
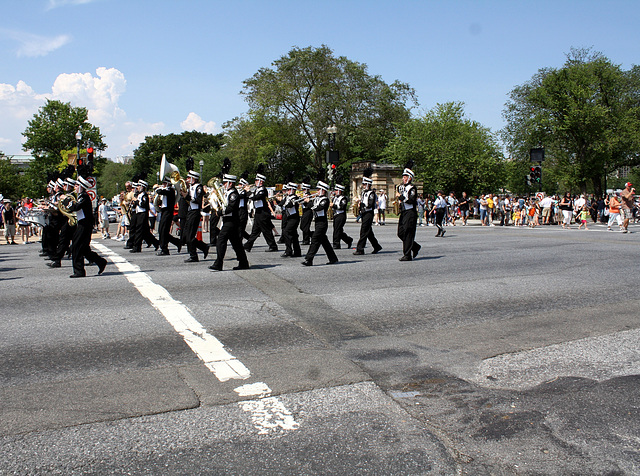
366 232
214 219
338 230
319 238
440 213
190 232
164 231
290 235
81 248
243 213
230 233
143 231
305 224
407 232
132 230
64 240
262 224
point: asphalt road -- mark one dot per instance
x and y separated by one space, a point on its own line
496 351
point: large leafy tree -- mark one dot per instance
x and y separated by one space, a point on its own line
52 130
149 153
450 152
586 115
309 89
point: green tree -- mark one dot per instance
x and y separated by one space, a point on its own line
586 115
450 152
309 89
52 130
149 153
112 178
9 186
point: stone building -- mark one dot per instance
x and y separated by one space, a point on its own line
385 177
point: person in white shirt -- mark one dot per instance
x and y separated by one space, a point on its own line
546 203
103 217
382 207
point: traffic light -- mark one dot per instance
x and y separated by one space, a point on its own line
536 173
528 180
331 168
80 162
90 159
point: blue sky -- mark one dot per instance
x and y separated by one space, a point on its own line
146 67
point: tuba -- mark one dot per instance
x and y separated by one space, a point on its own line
167 168
216 196
64 203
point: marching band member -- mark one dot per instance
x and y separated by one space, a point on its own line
319 237
289 205
407 196
81 247
50 230
243 207
307 213
194 197
340 218
143 232
367 205
66 231
167 204
262 219
230 231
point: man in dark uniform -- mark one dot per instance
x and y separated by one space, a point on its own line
319 237
194 196
243 208
143 231
340 218
167 204
367 205
230 227
307 215
81 247
262 220
407 196
50 230
289 205
66 231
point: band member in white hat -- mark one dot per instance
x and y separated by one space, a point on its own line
81 248
168 200
319 237
408 198
143 231
367 205
262 216
340 218
194 196
230 231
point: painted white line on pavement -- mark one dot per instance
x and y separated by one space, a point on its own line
267 414
209 349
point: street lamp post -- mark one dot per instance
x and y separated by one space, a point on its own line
78 139
201 167
332 156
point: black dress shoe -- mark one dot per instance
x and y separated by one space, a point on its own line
405 258
376 249
307 263
241 266
101 266
349 243
133 250
438 234
157 245
179 248
54 264
332 261
77 276
336 247
443 232
162 253
214 267
205 253
191 260
416 249
271 250
358 252
285 255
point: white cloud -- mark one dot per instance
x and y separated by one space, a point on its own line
61 3
194 122
100 94
33 46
